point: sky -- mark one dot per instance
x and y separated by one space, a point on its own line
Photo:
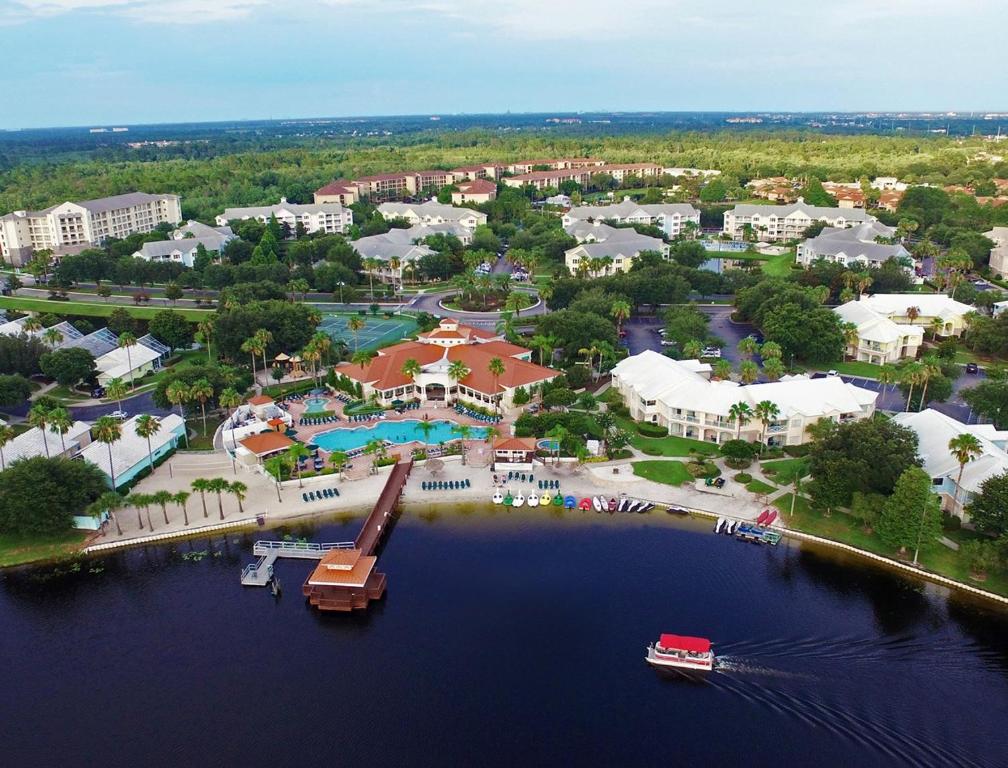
100 62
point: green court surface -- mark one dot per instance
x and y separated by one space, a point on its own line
377 331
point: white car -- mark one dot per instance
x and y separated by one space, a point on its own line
667 343
710 352
832 373
121 415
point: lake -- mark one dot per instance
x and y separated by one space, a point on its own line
505 638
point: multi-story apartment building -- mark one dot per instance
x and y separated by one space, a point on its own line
672 218
680 396
999 253
185 242
342 191
547 179
772 223
432 212
605 250
331 218
855 245
922 309
879 340
69 227
477 191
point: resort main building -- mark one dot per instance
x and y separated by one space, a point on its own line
435 352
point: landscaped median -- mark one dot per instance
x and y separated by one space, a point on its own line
94 309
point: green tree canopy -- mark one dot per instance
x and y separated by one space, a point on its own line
58 488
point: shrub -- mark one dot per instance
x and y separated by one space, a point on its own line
798 451
738 463
743 477
950 522
651 430
703 469
623 453
739 450
650 450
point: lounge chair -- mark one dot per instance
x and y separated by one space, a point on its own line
304 496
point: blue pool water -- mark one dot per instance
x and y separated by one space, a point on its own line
394 431
315 404
548 445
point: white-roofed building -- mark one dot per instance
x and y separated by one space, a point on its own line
999 253
772 223
129 452
879 339
128 366
432 212
331 218
934 431
609 249
852 245
921 309
34 443
673 219
184 243
679 395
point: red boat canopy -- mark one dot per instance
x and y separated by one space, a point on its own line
685 643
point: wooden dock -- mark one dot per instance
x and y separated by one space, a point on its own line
345 578
259 573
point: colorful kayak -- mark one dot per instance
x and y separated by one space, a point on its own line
508 500
498 498
558 500
585 505
570 502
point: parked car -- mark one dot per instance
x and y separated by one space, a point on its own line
98 392
831 372
121 415
711 352
972 368
667 343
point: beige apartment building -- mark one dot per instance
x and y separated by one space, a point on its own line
70 227
774 223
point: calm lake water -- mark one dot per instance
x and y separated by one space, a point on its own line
502 641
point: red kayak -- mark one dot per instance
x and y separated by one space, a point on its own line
585 505
612 505
761 520
771 517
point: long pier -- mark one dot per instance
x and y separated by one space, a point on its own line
259 573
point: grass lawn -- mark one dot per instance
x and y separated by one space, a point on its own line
786 469
667 472
758 486
88 309
841 527
779 266
66 393
665 446
853 368
24 549
197 442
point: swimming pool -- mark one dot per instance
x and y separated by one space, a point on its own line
548 445
399 432
315 404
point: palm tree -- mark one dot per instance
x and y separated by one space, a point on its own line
263 339
748 371
116 389
323 343
144 500
425 426
230 399
912 313
692 350
544 344
362 358
722 369
620 312
177 393
929 367
312 354
936 325
506 326
146 427
464 431
457 370
52 336
107 502
741 413
496 368
965 448
773 368
886 374
239 490
251 348
38 416
557 434
338 459
355 324
394 266
7 434
370 265
864 283
205 330
748 347
589 353
202 486
910 375
32 325
201 390
219 485
411 369
850 337
766 411
295 453
108 430
181 498
163 498
126 341
517 301
60 420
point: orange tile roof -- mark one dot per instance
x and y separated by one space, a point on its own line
266 442
260 400
340 186
445 331
477 187
385 370
517 373
503 348
515 444
343 567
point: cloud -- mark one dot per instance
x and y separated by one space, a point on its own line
150 11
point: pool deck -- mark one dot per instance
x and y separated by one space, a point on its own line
305 433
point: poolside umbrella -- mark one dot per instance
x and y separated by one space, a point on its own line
397 401
434 465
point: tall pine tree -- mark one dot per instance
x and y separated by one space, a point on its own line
911 516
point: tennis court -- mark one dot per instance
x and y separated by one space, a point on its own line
376 331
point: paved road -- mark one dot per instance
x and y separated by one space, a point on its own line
142 403
641 332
